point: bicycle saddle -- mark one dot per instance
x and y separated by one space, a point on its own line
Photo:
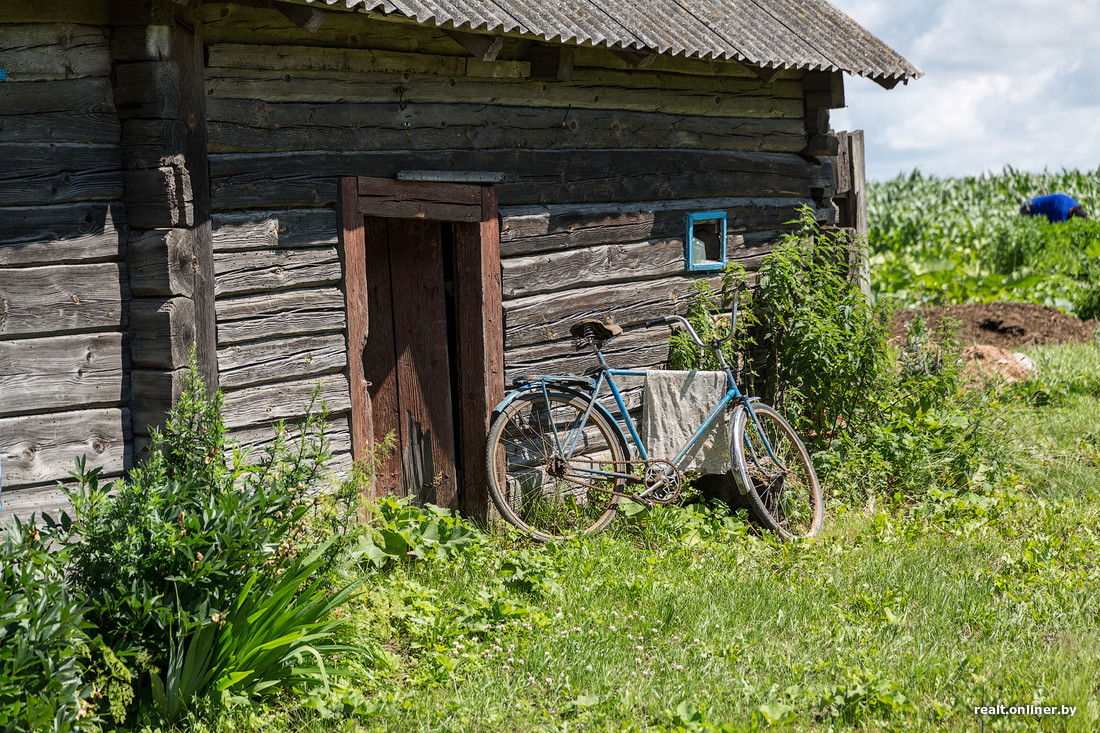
600 330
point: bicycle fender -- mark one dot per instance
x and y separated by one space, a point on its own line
739 416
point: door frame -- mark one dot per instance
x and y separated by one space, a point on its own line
472 209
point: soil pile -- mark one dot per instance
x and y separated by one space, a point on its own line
1004 325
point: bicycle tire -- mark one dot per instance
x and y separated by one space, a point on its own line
529 475
785 498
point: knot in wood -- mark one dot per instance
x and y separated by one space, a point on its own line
98 446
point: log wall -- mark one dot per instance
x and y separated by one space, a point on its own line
600 161
64 281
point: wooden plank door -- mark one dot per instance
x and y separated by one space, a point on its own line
399 350
406 357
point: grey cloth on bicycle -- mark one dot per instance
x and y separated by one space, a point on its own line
674 406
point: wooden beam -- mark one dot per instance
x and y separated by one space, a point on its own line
766 74
480 347
482 47
162 262
355 286
40 448
39 375
551 63
162 332
389 198
824 89
308 19
634 59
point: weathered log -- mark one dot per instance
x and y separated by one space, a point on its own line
73 96
359 60
153 394
547 317
636 349
162 332
38 173
526 230
60 298
148 89
90 12
824 89
237 23
268 403
821 145
62 373
41 448
153 143
60 127
308 19
51 51
268 229
243 272
610 59
161 262
725 98
531 177
61 234
160 198
239 125
261 438
279 360
36 500
270 315
607 263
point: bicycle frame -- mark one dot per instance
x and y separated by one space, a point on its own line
606 377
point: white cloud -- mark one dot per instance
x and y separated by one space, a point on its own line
1011 83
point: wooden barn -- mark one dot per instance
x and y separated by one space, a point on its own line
408 201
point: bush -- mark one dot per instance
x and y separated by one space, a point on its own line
42 636
876 418
166 555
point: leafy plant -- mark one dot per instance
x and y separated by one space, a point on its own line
186 538
42 637
277 635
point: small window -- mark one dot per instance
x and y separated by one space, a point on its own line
705 244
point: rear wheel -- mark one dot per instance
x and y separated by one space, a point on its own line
548 464
780 484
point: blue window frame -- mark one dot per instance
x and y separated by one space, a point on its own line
705 241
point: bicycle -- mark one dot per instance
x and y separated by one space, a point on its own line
559 464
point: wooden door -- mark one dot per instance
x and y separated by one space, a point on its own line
406 359
404 364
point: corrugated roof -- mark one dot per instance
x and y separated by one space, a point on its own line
799 34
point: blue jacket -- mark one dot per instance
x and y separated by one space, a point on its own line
1055 207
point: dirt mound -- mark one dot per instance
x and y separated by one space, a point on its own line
984 361
1005 325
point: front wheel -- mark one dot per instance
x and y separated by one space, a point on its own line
550 461
780 483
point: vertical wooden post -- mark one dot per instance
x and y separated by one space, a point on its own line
187 49
481 345
352 242
858 207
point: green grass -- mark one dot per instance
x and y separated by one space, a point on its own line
905 615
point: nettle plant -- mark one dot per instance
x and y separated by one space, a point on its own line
808 341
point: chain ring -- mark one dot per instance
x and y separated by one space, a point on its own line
662 480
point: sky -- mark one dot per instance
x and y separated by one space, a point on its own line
1007 82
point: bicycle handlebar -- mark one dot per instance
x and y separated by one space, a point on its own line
671 320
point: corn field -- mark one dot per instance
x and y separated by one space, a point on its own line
962 240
